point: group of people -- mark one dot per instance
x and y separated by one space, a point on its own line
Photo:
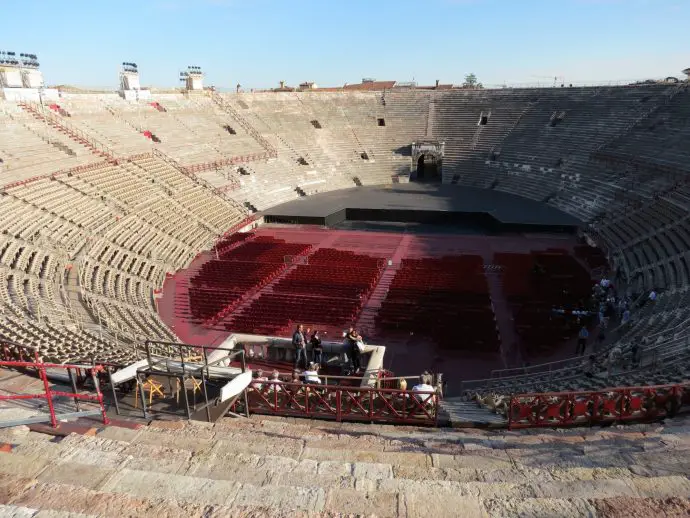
616 360
612 305
306 341
609 305
299 342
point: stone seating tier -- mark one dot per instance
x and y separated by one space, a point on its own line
266 467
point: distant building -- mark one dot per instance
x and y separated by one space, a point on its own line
283 88
308 85
371 84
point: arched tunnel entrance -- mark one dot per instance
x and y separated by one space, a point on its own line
427 161
427 169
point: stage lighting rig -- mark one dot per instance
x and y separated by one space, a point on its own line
192 77
130 67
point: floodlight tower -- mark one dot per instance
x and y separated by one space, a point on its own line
193 78
21 79
20 72
31 75
130 87
129 76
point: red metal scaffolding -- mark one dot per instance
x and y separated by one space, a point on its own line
22 357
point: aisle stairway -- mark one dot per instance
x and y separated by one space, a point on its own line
261 467
366 324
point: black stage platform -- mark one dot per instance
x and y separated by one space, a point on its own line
493 211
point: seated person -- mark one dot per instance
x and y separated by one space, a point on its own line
274 386
425 386
311 375
260 377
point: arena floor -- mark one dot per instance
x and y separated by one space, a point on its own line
405 354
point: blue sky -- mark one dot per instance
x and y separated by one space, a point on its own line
259 42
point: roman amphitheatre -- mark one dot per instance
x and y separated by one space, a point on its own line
516 261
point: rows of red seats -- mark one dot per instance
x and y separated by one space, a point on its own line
328 292
221 283
444 298
227 242
534 285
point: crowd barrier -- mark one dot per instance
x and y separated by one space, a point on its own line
616 405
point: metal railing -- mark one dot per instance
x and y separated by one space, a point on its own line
26 358
343 403
49 117
197 179
224 105
224 162
588 408
649 365
180 362
652 354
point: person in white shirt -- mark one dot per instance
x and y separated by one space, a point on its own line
652 296
425 386
311 375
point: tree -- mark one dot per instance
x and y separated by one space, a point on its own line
471 82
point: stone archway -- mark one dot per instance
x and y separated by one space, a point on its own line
427 169
427 161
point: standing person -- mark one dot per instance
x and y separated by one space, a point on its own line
636 350
625 319
316 348
613 360
582 337
353 340
652 296
300 345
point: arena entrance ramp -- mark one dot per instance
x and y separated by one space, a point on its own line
229 394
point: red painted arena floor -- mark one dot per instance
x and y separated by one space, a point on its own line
406 353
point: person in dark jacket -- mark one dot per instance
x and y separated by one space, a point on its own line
316 347
300 345
353 340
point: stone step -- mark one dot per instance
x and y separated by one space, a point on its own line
220 461
462 413
77 488
13 511
391 439
283 467
218 458
71 499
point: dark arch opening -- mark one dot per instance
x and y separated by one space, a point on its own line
427 169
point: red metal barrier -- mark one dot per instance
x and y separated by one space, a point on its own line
41 368
589 408
341 403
